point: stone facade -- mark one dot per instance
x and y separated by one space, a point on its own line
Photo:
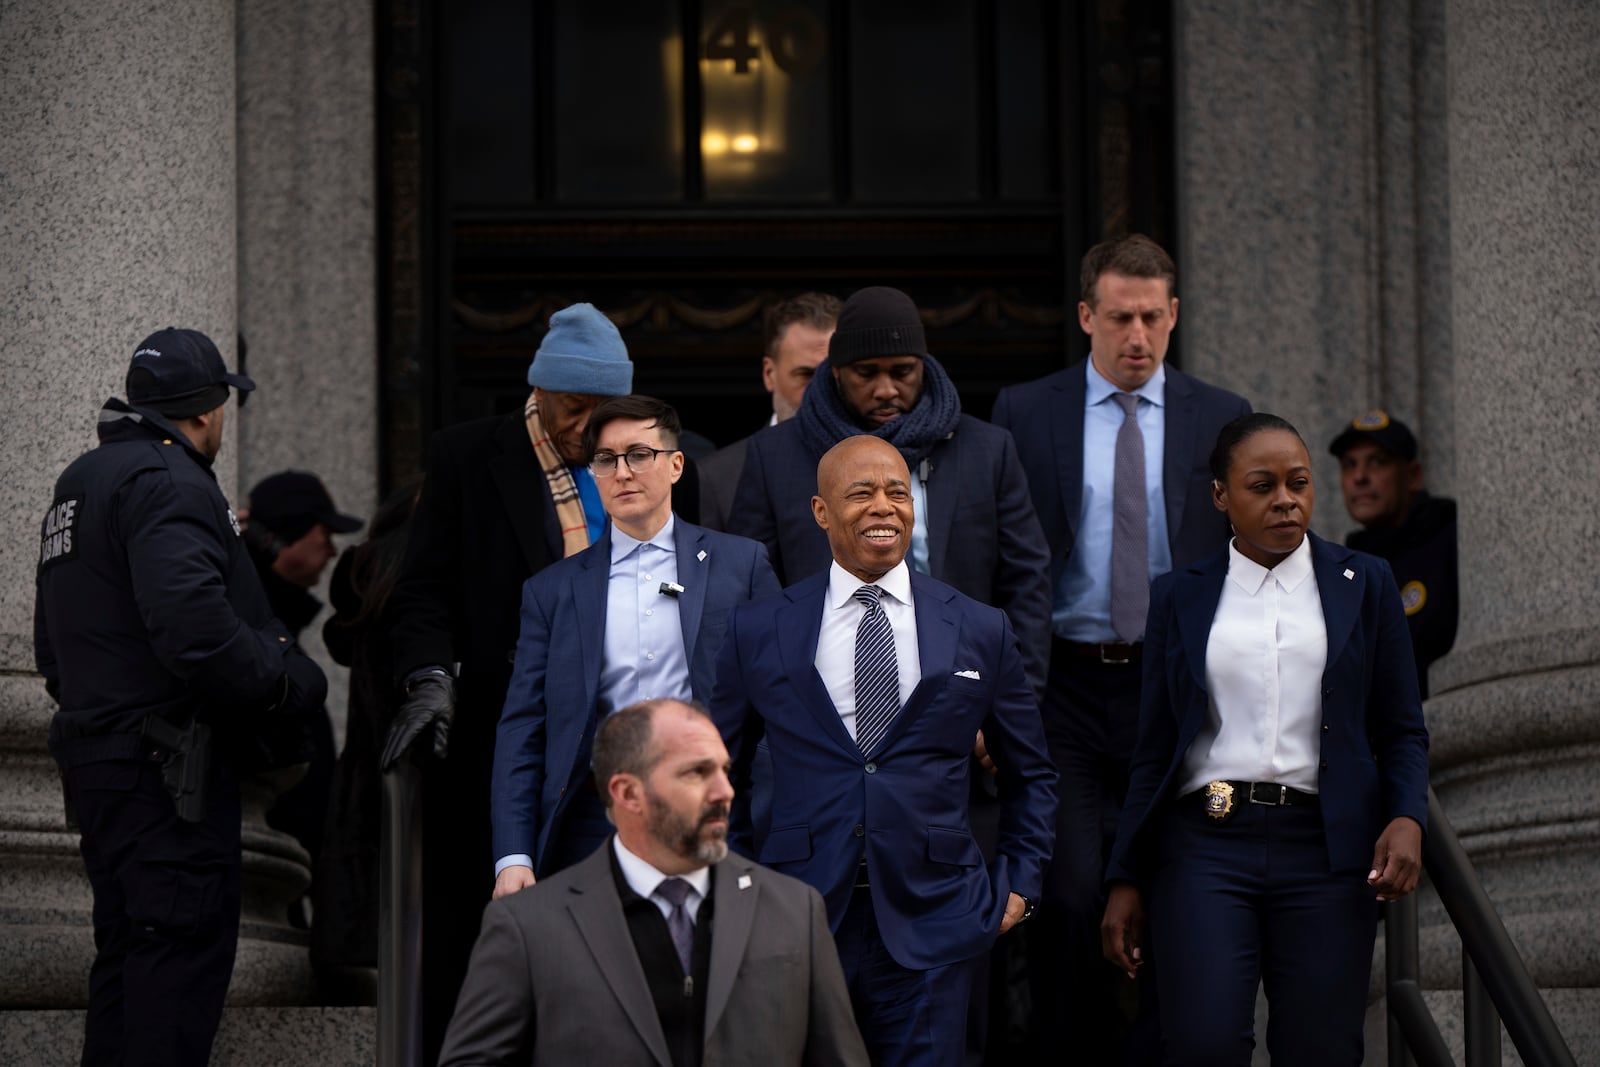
197 163
1379 204
1392 205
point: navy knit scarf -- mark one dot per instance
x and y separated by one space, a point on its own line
825 420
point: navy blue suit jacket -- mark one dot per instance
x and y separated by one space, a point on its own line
983 537
906 808
1045 418
1374 744
546 730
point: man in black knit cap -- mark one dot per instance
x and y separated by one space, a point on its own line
975 530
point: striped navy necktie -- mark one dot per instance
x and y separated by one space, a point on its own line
877 671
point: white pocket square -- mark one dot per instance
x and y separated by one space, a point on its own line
968 674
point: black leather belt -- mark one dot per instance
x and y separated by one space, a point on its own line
1272 794
1221 799
1115 653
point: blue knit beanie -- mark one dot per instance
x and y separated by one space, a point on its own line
582 353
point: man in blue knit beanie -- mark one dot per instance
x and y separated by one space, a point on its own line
504 497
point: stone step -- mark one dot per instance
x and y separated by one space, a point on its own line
249 1037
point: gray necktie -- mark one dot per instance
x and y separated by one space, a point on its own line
1130 528
675 891
877 671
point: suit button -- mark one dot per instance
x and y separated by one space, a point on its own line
1324 727
872 768
1328 692
511 657
860 831
1323 765
563 792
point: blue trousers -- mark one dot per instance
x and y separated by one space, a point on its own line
907 1018
1252 901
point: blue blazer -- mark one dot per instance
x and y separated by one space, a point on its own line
546 730
906 809
1374 744
1045 418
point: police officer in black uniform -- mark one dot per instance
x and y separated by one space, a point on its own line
1403 524
154 636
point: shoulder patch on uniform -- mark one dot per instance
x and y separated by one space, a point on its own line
1413 595
56 533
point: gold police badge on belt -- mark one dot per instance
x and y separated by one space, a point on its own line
1219 800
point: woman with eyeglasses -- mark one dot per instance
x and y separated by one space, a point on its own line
1279 786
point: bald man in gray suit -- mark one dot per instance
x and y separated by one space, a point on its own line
659 948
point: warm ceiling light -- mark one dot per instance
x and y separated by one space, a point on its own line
746 143
713 143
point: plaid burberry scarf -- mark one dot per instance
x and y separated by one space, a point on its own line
563 490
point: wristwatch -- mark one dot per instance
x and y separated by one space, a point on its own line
1029 906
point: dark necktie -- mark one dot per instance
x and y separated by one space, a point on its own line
675 891
1130 528
877 671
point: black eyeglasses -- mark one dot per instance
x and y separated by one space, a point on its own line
604 464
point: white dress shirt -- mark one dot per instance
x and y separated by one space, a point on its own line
643 878
1264 662
836 641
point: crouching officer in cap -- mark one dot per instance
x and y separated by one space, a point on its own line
154 636
1404 525
289 533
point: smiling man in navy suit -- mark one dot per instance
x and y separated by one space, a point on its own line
638 615
870 682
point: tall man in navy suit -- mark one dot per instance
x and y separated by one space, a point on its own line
869 682
640 614
1092 479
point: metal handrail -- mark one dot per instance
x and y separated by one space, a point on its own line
1491 965
400 919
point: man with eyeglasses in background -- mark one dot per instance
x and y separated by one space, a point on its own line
638 615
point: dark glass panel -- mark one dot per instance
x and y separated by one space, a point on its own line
765 70
1024 101
913 95
490 161
618 89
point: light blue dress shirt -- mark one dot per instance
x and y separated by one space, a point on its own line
1082 610
644 653
917 556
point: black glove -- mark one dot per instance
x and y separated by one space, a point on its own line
430 701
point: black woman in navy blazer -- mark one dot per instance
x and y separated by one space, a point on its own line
1239 882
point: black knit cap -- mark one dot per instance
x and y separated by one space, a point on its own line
874 323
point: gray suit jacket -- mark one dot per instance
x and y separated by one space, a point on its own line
554 977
